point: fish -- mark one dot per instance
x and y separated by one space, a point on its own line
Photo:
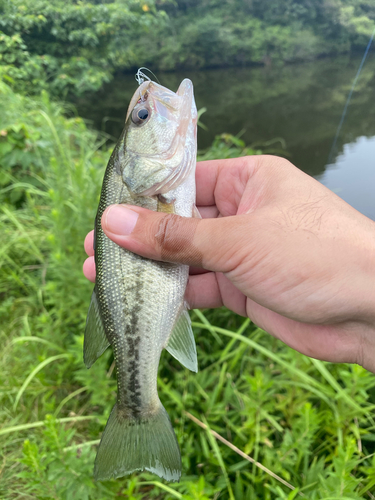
137 305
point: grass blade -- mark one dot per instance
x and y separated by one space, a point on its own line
41 423
334 384
240 452
34 372
35 339
82 445
164 487
68 398
309 380
214 445
25 233
208 325
266 352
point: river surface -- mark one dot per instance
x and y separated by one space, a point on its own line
300 104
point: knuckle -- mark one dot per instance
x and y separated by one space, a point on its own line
166 229
360 352
281 164
276 162
174 236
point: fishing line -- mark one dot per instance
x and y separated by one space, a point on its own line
349 97
141 77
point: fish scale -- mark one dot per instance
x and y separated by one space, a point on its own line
137 305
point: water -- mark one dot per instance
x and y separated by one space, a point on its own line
352 176
300 104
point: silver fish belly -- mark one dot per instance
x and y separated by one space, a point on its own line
137 305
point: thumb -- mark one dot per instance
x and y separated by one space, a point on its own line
207 243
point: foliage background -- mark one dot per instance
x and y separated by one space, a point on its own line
307 421
77 46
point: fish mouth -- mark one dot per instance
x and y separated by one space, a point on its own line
163 95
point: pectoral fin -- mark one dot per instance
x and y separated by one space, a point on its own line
164 206
95 342
181 343
196 212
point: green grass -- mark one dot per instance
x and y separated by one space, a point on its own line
281 420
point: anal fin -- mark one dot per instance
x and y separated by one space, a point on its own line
181 343
95 342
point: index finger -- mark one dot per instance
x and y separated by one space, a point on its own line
206 176
89 244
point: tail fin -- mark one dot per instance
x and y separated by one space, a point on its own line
137 444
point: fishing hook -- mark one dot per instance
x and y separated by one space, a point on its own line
141 77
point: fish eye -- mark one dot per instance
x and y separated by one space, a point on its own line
140 115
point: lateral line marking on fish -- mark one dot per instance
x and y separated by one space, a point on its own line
130 402
132 338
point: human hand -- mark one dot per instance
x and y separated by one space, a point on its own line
274 245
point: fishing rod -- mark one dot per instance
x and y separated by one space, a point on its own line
330 157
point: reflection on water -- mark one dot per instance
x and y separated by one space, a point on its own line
301 104
352 176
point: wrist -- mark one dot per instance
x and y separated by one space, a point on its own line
367 294
359 294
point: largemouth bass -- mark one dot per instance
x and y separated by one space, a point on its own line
137 305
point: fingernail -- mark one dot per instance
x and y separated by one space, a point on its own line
120 220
